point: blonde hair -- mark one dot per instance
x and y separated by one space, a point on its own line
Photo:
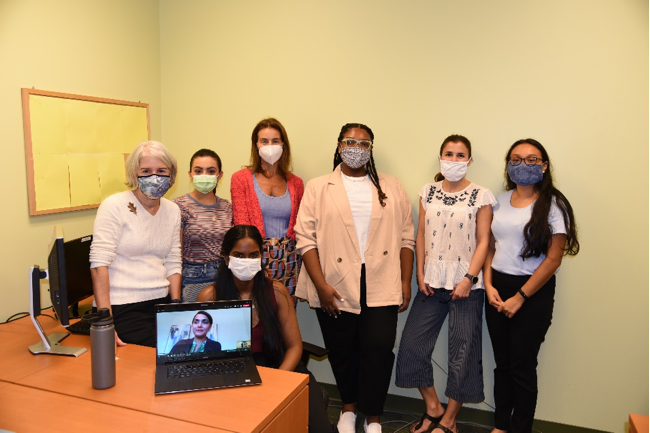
149 148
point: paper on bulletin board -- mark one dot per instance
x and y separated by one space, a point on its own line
48 125
134 125
80 127
84 179
112 174
51 181
77 148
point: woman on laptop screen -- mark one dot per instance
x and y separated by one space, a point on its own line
201 326
276 340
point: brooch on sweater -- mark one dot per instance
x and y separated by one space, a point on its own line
132 208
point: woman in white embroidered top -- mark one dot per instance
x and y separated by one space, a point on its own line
532 229
451 245
135 257
355 233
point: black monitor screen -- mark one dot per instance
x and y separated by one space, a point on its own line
69 274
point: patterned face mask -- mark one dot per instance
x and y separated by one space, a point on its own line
355 157
524 174
154 186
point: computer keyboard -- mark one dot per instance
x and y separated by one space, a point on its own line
81 327
206 368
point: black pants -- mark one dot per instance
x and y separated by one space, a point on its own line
136 323
361 352
516 343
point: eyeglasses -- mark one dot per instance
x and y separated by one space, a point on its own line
529 160
266 142
351 142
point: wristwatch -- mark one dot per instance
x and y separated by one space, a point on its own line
472 278
176 301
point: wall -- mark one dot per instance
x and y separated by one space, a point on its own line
572 74
108 49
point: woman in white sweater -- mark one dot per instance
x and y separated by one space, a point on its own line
135 257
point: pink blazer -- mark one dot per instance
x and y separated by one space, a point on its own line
246 208
325 222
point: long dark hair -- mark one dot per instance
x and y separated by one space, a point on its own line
537 232
454 138
370 165
209 153
225 289
284 165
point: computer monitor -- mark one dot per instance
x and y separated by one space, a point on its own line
57 274
75 283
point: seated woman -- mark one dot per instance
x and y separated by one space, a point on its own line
201 325
276 340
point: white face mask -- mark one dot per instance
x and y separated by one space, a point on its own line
271 153
244 269
453 171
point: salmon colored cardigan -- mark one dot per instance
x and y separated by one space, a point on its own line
246 208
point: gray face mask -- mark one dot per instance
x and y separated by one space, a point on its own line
355 157
523 174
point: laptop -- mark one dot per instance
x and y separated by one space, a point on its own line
220 356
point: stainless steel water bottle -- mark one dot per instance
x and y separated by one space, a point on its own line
102 349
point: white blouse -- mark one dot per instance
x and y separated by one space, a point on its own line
450 232
359 191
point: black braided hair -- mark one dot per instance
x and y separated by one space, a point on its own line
370 165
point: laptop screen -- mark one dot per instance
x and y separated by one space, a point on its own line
203 330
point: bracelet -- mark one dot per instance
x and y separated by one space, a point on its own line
523 295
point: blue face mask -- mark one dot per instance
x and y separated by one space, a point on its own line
523 174
154 186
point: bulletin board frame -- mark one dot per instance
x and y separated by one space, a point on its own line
31 123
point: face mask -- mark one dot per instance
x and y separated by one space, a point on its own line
355 157
244 269
204 183
271 153
523 174
453 171
154 186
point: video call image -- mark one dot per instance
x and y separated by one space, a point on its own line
187 332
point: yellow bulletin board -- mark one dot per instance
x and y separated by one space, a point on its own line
76 147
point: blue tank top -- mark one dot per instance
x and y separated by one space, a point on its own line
276 211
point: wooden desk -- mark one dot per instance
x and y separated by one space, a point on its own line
638 423
280 404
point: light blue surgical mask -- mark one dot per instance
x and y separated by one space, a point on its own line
154 186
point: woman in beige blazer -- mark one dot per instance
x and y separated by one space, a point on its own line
356 236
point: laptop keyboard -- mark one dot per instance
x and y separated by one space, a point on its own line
206 368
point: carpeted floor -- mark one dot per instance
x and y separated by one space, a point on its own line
399 422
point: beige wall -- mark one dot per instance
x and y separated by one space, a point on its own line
572 74
109 49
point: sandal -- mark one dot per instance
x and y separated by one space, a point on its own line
443 428
434 421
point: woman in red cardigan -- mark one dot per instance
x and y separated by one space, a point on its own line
267 195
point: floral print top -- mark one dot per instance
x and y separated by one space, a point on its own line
450 232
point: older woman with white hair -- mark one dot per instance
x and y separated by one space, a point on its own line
135 257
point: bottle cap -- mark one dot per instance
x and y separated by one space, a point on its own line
101 318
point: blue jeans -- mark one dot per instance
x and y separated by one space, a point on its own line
197 276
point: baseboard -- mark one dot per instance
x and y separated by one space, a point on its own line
483 417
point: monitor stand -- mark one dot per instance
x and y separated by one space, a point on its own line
49 344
